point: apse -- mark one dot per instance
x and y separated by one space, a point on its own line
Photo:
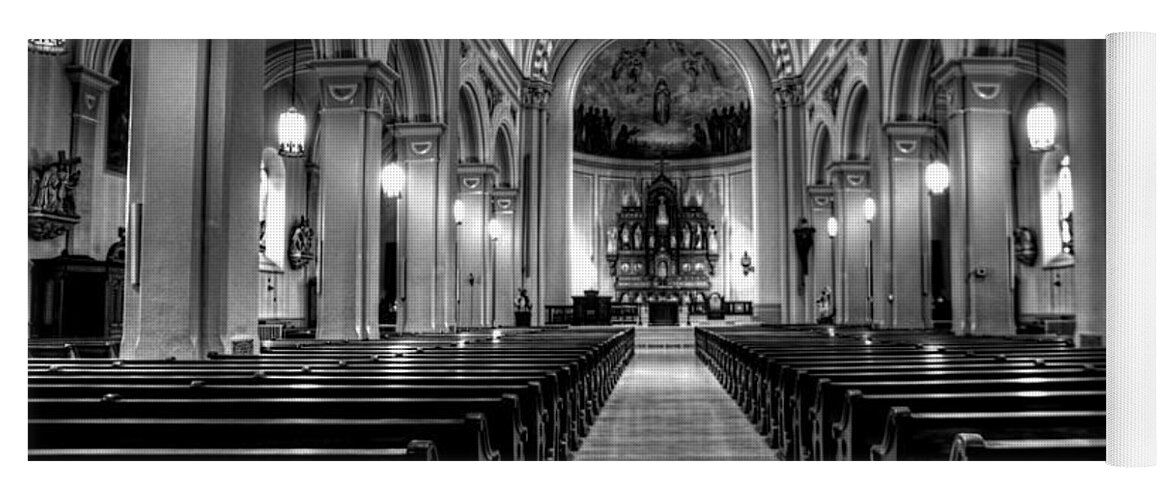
651 99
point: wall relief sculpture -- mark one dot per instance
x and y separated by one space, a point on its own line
52 209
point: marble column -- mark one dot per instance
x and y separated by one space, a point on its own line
980 148
1086 81
428 288
193 191
505 256
851 181
349 154
822 263
534 198
789 93
473 257
906 201
87 142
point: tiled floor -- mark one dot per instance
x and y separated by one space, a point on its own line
667 406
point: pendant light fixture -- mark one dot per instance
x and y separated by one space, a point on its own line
1041 120
291 126
47 46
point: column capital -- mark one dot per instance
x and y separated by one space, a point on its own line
419 141
983 81
504 200
850 174
476 177
821 195
354 83
88 88
789 91
909 139
535 93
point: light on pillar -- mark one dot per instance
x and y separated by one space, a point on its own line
392 178
494 233
870 208
457 214
47 46
291 129
937 177
831 227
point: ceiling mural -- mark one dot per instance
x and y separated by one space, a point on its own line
650 99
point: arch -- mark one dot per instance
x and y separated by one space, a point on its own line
118 110
413 61
271 209
98 54
856 130
468 134
911 88
502 156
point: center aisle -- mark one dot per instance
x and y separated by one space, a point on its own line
668 406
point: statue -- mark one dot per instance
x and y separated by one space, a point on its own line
625 237
522 303
687 235
117 251
637 237
673 242
661 219
713 241
661 269
803 235
697 238
662 104
612 240
825 307
1025 246
651 245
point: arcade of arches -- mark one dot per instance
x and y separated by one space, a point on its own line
785 181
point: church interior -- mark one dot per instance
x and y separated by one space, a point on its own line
564 249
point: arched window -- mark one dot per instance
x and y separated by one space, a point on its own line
1057 204
272 211
118 111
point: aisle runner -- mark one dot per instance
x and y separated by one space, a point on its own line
667 406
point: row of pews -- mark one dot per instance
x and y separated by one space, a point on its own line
913 396
487 395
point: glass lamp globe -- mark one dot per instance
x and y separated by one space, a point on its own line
291 133
393 179
937 177
1041 126
494 230
457 211
831 227
870 208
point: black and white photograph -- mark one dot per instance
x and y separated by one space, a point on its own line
639 250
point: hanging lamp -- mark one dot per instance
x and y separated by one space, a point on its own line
291 125
47 46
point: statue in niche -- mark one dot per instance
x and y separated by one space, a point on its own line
651 245
661 269
637 237
687 235
672 243
625 237
612 240
662 104
697 237
661 219
713 242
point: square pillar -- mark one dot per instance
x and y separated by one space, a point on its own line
89 118
907 296
472 260
425 228
193 192
822 263
851 181
349 154
505 256
980 147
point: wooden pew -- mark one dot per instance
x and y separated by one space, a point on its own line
974 447
417 450
455 439
863 417
929 436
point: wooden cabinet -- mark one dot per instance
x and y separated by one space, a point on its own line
591 309
75 297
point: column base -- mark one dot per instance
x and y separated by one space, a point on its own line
769 313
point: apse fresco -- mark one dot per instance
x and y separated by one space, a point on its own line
650 99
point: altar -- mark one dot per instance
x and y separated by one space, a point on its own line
662 252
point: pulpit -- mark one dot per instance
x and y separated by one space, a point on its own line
76 297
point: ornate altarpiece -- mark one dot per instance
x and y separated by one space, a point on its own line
661 249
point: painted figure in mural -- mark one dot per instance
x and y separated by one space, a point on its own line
623 142
700 138
661 219
662 102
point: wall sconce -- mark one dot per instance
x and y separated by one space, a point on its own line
47 46
471 279
871 209
937 177
746 264
831 227
494 230
457 212
393 179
